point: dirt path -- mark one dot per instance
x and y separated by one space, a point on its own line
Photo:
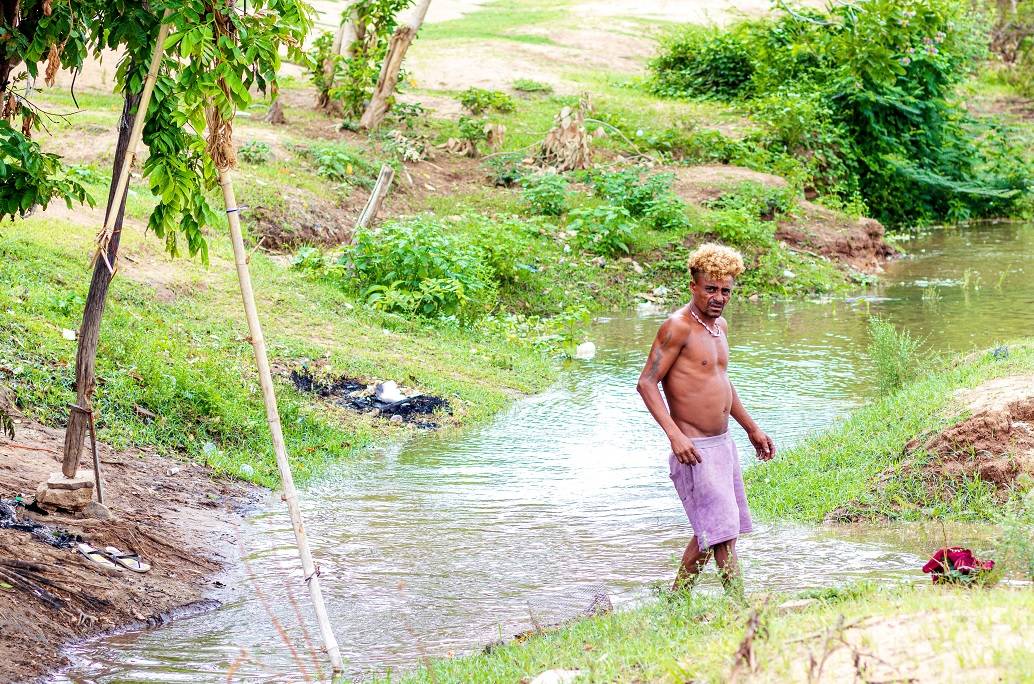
172 513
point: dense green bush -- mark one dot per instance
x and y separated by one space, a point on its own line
341 163
864 96
650 198
545 193
255 152
741 227
606 230
478 101
702 62
415 267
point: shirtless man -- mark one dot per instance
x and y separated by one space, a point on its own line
689 358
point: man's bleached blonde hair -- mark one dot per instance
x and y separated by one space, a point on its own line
715 261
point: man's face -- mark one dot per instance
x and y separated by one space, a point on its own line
711 295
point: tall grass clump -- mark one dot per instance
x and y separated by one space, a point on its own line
863 96
895 355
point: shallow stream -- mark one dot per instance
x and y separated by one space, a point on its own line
449 542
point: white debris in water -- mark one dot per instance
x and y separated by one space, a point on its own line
585 351
647 308
388 392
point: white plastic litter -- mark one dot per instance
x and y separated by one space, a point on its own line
388 392
68 334
585 351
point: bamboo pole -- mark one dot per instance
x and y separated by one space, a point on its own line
290 496
134 140
373 204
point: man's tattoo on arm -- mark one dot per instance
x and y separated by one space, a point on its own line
655 362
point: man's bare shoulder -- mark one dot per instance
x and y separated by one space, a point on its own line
674 330
723 324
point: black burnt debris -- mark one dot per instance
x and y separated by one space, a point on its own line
357 395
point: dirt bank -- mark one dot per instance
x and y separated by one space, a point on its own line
814 229
995 443
172 513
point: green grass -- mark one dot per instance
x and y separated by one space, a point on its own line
858 469
499 20
188 361
682 639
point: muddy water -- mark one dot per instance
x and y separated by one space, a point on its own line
446 543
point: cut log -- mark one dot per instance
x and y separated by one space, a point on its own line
381 101
373 205
275 115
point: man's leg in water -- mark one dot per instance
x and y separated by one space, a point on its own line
729 568
693 561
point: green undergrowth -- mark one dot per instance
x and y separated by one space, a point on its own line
173 344
859 469
695 638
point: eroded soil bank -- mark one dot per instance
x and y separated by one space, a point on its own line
183 522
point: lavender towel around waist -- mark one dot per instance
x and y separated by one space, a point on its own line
712 491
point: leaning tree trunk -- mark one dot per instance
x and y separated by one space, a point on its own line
89 333
380 102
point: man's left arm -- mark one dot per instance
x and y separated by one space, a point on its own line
762 443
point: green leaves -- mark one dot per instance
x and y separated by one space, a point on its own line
31 177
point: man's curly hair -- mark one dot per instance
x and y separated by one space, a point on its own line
716 261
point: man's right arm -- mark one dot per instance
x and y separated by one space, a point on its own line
665 351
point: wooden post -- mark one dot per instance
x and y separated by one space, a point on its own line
373 205
380 101
104 268
290 496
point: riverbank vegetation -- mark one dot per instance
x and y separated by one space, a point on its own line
924 448
835 636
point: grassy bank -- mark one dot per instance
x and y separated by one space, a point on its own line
925 632
859 469
173 345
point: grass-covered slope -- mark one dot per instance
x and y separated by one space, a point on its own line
173 344
859 468
904 634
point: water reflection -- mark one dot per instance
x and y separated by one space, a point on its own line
451 542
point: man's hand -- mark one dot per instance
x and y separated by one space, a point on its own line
762 444
684 450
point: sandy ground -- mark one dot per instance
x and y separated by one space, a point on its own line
171 513
936 647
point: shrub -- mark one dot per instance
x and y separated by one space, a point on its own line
526 85
741 227
702 62
506 170
255 152
756 200
863 94
414 267
478 101
606 230
650 198
342 164
667 212
895 355
545 193
1015 547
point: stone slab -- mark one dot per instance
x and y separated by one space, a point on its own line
64 499
83 478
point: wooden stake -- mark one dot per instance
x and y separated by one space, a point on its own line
309 569
96 460
373 205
